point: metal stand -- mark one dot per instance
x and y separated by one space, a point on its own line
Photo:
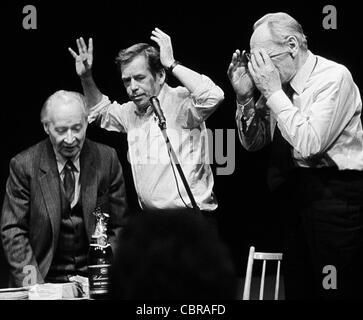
173 158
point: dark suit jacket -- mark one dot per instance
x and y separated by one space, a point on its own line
30 219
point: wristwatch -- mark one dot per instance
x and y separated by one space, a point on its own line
174 64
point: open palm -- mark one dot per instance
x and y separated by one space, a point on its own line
240 78
84 58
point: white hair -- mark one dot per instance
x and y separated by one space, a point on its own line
282 26
65 97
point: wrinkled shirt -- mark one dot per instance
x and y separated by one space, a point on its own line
322 122
157 181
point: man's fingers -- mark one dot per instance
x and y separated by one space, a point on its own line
251 70
156 34
75 56
157 40
240 58
83 45
162 35
157 31
90 46
234 58
261 57
252 66
160 39
257 58
230 70
79 46
159 35
265 57
162 32
254 63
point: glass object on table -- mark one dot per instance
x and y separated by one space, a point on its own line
99 258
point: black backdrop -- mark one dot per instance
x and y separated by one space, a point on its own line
204 35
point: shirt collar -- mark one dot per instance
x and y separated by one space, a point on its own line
303 74
149 109
61 162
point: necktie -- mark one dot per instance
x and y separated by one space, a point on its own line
69 181
281 161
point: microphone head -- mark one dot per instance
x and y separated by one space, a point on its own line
153 98
157 110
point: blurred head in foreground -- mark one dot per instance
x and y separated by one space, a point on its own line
171 256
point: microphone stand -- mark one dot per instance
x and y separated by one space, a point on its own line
174 158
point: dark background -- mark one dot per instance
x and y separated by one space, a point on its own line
204 36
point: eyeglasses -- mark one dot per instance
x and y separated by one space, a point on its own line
246 56
278 54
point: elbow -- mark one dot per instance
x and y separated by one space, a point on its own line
219 95
215 95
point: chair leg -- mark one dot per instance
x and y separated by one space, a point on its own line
277 285
262 284
247 286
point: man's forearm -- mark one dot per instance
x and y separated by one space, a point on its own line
91 91
24 268
253 125
189 78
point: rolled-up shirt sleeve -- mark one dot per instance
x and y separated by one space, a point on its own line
311 129
253 124
204 101
109 116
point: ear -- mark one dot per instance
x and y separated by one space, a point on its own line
293 45
161 76
45 127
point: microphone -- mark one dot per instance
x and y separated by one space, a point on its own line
155 104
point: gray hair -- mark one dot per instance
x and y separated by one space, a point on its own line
151 54
65 97
281 26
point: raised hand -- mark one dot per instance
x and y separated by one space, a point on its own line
84 58
166 49
264 73
240 78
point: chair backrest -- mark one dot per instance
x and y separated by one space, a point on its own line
264 256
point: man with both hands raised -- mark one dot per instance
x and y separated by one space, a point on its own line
143 72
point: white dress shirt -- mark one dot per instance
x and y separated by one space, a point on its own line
322 122
154 177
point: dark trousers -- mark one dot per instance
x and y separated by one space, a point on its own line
210 217
322 219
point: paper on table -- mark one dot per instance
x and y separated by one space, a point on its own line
14 289
83 283
55 291
14 293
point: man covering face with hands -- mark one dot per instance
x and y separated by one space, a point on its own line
309 110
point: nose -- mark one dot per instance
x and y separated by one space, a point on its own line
133 85
69 137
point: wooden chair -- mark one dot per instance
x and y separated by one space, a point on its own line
264 256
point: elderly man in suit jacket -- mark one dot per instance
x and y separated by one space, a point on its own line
52 190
